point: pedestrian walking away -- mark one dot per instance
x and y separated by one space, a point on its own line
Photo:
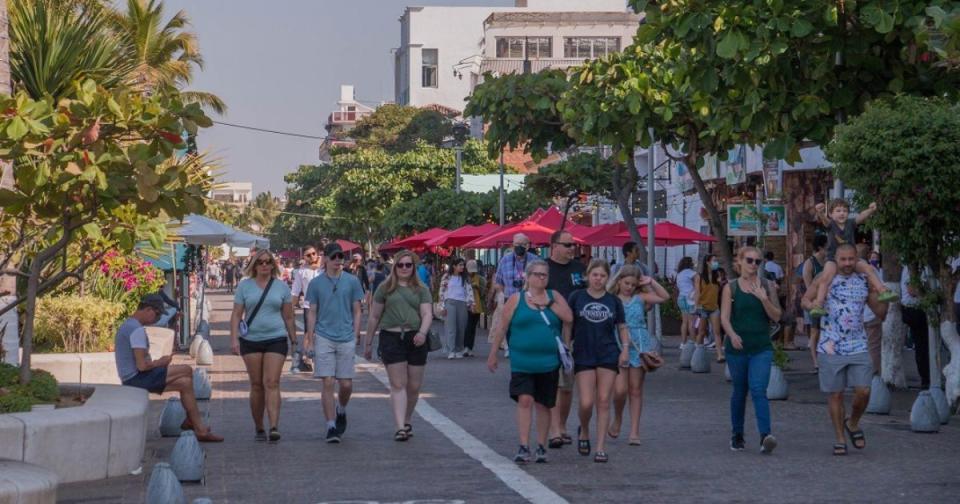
566 275
598 323
302 277
534 317
707 293
136 369
748 305
638 293
402 310
230 273
841 229
843 348
333 329
261 331
457 301
685 298
478 283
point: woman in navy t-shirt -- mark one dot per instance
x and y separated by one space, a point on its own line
598 321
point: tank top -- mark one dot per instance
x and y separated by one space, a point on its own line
533 333
709 295
749 321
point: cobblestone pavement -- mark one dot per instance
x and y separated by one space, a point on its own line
466 436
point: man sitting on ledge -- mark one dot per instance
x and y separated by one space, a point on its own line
137 370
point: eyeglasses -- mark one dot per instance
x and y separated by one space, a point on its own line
566 244
405 265
753 260
337 257
263 262
538 274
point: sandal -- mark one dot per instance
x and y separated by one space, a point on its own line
600 457
555 443
274 435
857 439
401 435
408 429
583 445
840 449
634 442
567 438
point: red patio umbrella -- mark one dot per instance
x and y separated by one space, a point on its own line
553 218
462 235
416 241
348 246
538 234
666 234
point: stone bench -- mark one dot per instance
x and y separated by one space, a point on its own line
105 437
22 483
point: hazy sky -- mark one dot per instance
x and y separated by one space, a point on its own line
279 64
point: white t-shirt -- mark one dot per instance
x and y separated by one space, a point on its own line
455 288
685 283
301 281
772 267
905 298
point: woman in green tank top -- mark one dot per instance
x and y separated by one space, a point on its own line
747 306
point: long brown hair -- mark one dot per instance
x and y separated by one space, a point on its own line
392 281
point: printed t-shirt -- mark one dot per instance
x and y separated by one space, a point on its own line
565 278
595 322
843 324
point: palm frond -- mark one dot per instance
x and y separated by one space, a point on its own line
207 100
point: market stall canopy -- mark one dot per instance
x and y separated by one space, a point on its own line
348 246
244 239
538 234
462 235
416 241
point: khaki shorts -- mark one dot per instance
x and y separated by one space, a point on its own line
334 359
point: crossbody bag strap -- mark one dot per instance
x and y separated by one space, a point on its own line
263 296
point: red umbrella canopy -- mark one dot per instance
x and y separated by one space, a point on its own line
666 234
416 241
348 246
462 235
670 231
552 218
538 234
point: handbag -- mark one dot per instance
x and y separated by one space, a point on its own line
245 324
565 358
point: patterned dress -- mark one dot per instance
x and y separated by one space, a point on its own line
636 317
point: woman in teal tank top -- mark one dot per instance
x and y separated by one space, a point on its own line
535 317
747 306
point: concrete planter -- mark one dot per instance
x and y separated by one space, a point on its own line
103 438
22 483
880 403
923 414
98 367
777 388
686 354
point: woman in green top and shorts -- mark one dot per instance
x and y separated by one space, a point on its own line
534 317
747 306
403 311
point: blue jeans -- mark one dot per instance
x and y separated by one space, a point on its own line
750 372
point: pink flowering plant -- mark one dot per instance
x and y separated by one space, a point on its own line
124 278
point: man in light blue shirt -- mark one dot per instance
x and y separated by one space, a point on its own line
333 328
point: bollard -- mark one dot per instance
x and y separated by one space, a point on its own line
187 458
726 372
700 361
205 354
202 388
940 402
923 414
686 354
202 500
172 417
879 397
195 345
777 389
203 329
164 487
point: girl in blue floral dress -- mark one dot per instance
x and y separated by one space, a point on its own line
638 293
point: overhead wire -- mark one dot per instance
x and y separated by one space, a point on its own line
265 130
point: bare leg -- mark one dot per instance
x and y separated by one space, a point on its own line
829 271
717 332
636 379
861 397
605 379
272 367
560 412
344 391
587 387
184 385
543 423
700 331
524 417
619 402
254 364
397 373
835 403
327 398
414 382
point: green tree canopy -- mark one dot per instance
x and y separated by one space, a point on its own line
398 128
448 209
584 173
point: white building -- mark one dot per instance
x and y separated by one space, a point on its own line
233 193
339 123
442 49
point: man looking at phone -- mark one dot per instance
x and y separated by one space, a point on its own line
137 370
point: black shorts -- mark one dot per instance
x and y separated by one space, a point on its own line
542 386
396 346
154 380
578 367
275 345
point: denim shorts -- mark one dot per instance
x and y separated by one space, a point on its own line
154 380
686 306
705 313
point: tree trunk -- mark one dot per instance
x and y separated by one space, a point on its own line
624 183
716 223
891 351
26 341
948 332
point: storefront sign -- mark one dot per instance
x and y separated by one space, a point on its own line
742 220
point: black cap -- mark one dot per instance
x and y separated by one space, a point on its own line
331 249
153 301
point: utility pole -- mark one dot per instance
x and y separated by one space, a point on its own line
459 151
502 205
651 238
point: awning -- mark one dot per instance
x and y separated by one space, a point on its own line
462 235
348 246
200 230
537 233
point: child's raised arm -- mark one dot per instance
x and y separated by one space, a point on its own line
821 214
864 215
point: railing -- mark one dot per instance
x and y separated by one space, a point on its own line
347 117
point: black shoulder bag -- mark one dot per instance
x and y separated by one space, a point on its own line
245 324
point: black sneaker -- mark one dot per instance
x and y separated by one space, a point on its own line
261 435
305 366
767 444
341 422
522 456
737 443
332 435
541 455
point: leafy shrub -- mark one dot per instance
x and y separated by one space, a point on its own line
124 278
15 397
669 308
76 324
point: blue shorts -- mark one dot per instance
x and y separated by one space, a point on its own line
154 380
686 306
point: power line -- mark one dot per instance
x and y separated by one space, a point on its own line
264 130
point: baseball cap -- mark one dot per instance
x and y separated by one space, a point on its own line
332 248
152 301
471 266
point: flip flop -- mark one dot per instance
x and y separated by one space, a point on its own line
840 449
555 443
401 435
600 457
583 445
567 438
856 436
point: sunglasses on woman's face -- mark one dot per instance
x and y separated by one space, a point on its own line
405 265
262 262
752 260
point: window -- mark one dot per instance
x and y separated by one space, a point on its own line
512 47
429 68
589 47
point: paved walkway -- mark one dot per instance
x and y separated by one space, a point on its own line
465 437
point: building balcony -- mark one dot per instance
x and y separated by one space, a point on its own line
347 117
504 66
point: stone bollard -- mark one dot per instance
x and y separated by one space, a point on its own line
205 354
202 388
195 345
686 354
203 329
726 372
700 360
777 389
172 417
164 487
940 401
202 500
187 459
880 403
923 414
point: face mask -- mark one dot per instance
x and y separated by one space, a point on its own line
714 266
520 250
875 263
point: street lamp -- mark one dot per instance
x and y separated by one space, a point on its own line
460 133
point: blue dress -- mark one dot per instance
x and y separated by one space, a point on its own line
636 317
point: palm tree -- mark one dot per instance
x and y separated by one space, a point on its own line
163 53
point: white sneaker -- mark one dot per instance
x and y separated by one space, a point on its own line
458 355
452 355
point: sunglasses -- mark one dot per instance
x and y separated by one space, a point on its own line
262 262
337 257
751 260
566 244
405 265
538 274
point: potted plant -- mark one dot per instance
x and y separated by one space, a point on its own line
777 386
669 312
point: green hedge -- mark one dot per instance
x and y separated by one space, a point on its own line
15 397
66 324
